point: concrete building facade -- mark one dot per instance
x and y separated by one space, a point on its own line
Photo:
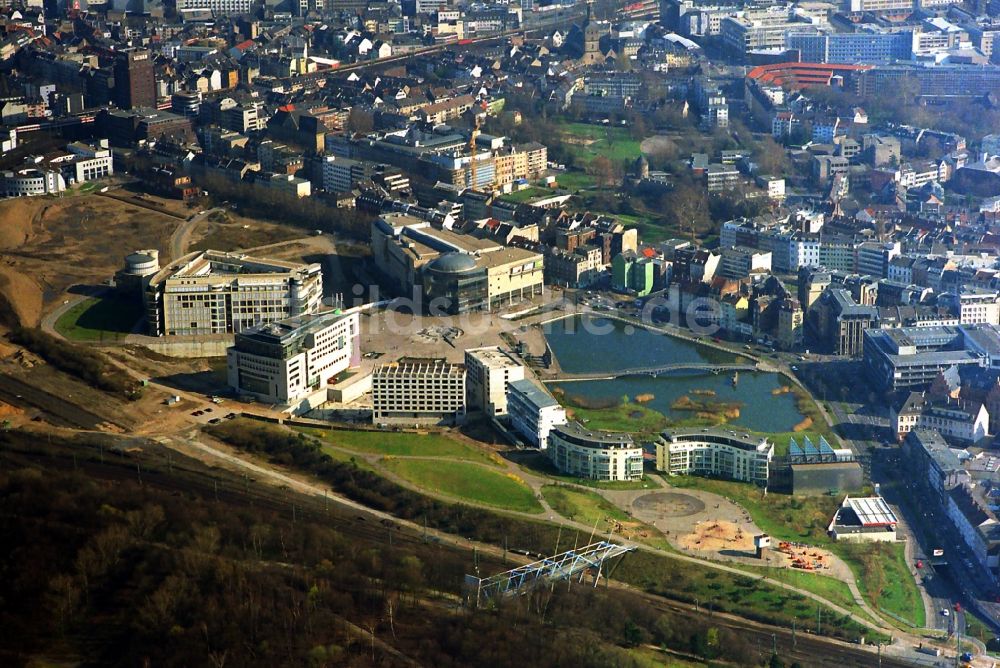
489 370
418 391
286 361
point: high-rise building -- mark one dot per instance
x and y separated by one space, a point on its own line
135 82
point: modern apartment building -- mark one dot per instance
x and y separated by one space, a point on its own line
288 361
840 322
759 30
212 292
873 257
533 412
947 81
418 391
859 6
715 452
596 455
974 306
488 372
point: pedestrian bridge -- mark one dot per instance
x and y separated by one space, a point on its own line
660 370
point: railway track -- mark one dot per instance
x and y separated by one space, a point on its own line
58 411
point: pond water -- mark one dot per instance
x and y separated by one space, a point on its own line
602 344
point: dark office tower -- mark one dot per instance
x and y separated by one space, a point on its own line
135 84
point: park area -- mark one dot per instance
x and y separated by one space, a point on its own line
881 569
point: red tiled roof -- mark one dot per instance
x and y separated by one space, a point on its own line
801 75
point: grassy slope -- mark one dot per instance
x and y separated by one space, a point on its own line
467 481
586 507
402 444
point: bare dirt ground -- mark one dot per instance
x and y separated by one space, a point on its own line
49 245
226 231
658 144
716 536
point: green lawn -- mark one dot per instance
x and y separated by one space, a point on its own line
521 196
539 464
466 481
977 628
587 507
575 181
719 591
649 232
344 456
403 444
104 319
834 590
614 143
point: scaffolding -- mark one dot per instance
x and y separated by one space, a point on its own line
563 566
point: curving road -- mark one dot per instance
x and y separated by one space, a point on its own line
181 238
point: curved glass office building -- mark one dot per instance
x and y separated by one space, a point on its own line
454 283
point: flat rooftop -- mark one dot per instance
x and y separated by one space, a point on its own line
577 432
281 331
534 393
493 358
211 263
872 511
420 365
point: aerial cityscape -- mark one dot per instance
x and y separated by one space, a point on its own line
515 333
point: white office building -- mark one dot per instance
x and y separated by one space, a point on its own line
533 412
339 174
974 306
488 371
596 455
418 391
715 452
290 362
31 182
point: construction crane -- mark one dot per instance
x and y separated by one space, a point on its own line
473 136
